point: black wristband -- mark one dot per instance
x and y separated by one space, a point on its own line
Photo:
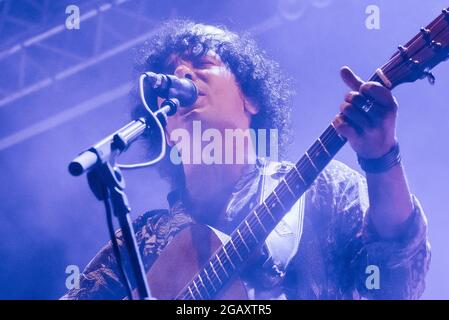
382 164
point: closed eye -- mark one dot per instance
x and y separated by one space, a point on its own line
203 65
204 62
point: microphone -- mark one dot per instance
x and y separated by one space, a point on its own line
170 86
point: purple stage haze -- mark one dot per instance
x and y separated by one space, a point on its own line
64 92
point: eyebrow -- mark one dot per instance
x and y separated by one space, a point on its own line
174 59
171 63
170 67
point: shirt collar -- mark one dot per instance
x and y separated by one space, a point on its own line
245 191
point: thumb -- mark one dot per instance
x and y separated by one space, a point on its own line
351 80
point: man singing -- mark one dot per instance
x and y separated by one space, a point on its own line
346 238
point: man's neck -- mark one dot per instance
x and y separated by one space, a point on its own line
209 188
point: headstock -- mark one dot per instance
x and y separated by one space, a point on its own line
414 60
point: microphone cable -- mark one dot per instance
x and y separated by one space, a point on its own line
159 125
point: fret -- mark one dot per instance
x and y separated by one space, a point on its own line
375 78
279 200
198 290
222 266
300 175
269 211
260 222
202 284
337 134
209 279
288 187
240 235
320 158
273 204
335 144
215 272
384 79
191 293
235 249
251 231
311 161
334 141
324 148
227 256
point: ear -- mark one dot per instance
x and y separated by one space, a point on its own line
250 107
167 138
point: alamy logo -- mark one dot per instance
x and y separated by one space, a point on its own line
211 146
372 21
73 279
73 20
373 280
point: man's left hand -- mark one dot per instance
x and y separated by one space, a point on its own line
371 134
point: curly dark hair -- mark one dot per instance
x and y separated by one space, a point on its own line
259 77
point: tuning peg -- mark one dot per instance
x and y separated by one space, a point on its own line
446 14
426 34
404 52
429 75
414 63
437 46
426 73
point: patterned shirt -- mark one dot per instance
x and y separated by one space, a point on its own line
337 252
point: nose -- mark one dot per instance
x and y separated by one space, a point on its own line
183 71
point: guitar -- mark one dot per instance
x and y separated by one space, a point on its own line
196 265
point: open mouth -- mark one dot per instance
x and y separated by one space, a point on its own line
198 105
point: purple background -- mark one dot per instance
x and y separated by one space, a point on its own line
49 219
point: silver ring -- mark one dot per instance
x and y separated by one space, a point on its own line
367 106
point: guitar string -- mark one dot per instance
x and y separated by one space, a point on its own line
315 149
327 135
389 67
272 200
282 189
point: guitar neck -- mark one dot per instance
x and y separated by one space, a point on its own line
411 62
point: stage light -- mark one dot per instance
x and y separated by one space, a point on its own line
321 3
292 9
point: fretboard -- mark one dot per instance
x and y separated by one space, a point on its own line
410 62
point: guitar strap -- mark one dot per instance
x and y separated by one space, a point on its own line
283 242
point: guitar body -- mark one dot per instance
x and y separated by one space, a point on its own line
184 257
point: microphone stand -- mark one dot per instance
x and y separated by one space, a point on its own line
107 183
